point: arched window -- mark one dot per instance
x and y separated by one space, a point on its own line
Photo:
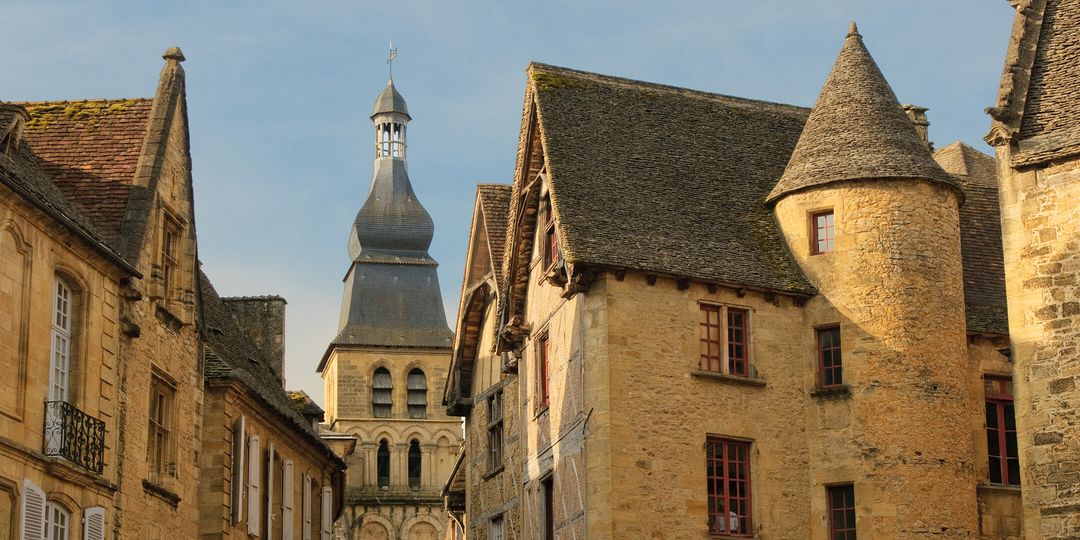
57 521
414 464
382 388
60 354
417 386
384 464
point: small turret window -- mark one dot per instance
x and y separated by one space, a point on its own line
383 464
390 140
382 394
823 237
414 464
417 386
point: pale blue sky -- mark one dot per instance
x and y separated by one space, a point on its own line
279 94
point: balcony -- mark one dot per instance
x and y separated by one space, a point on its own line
74 436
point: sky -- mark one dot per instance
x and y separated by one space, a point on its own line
280 92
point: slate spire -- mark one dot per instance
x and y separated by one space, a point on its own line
392 296
857 131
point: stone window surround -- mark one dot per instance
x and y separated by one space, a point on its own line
814 232
747 446
750 378
819 332
163 389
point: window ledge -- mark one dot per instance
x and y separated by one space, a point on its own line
161 493
841 391
1000 488
734 379
492 473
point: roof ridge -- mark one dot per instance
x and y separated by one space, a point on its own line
57 101
626 81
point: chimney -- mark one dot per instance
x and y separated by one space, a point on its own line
917 115
262 318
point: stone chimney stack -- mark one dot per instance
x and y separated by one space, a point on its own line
262 318
917 115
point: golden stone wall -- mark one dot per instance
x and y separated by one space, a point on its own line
399 510
1040 213
895 279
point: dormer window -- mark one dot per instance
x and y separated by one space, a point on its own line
12 120
170 255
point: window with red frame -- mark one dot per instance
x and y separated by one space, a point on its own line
841 512
551 238
830 368
724 345
1001 432
727 470
824 232
543 372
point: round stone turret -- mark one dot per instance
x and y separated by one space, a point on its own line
874 223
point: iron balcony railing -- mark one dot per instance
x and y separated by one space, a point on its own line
74 436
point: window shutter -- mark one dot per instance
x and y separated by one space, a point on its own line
305 507
94 523
33 512
254 485
239 441
327 510
269 489
287 493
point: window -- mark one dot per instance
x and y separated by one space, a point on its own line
384 464
841 512
497 528
728 478
417 387
551 237
1001 432
170 249
60 369
543 373
414 465
725 346
382 388
495 430
56 522
547 486
830 368
823 237
159 442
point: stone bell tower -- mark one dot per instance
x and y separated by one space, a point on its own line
384 371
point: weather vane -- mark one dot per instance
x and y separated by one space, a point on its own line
390 59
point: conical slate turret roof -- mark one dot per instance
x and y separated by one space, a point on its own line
857 130
390 101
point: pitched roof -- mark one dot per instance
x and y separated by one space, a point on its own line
857 130
495 205
233 355
90 149
22 172
1053 103
666 180
980 237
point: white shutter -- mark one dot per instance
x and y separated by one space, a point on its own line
254 485
305 507
287 493
94 523
239 443
33 512
327 510
269 490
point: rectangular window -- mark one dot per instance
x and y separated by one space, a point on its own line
830 367
543 372
551 237
1001 432
728 479
497 528
162 420
824 232
495 430
725 347
547 486
170 244
841 512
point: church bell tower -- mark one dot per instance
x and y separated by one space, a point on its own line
384 370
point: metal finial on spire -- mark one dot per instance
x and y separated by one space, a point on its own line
390 59
854 30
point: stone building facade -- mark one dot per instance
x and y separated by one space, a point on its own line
1037 138
383 370
104 330
720 317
